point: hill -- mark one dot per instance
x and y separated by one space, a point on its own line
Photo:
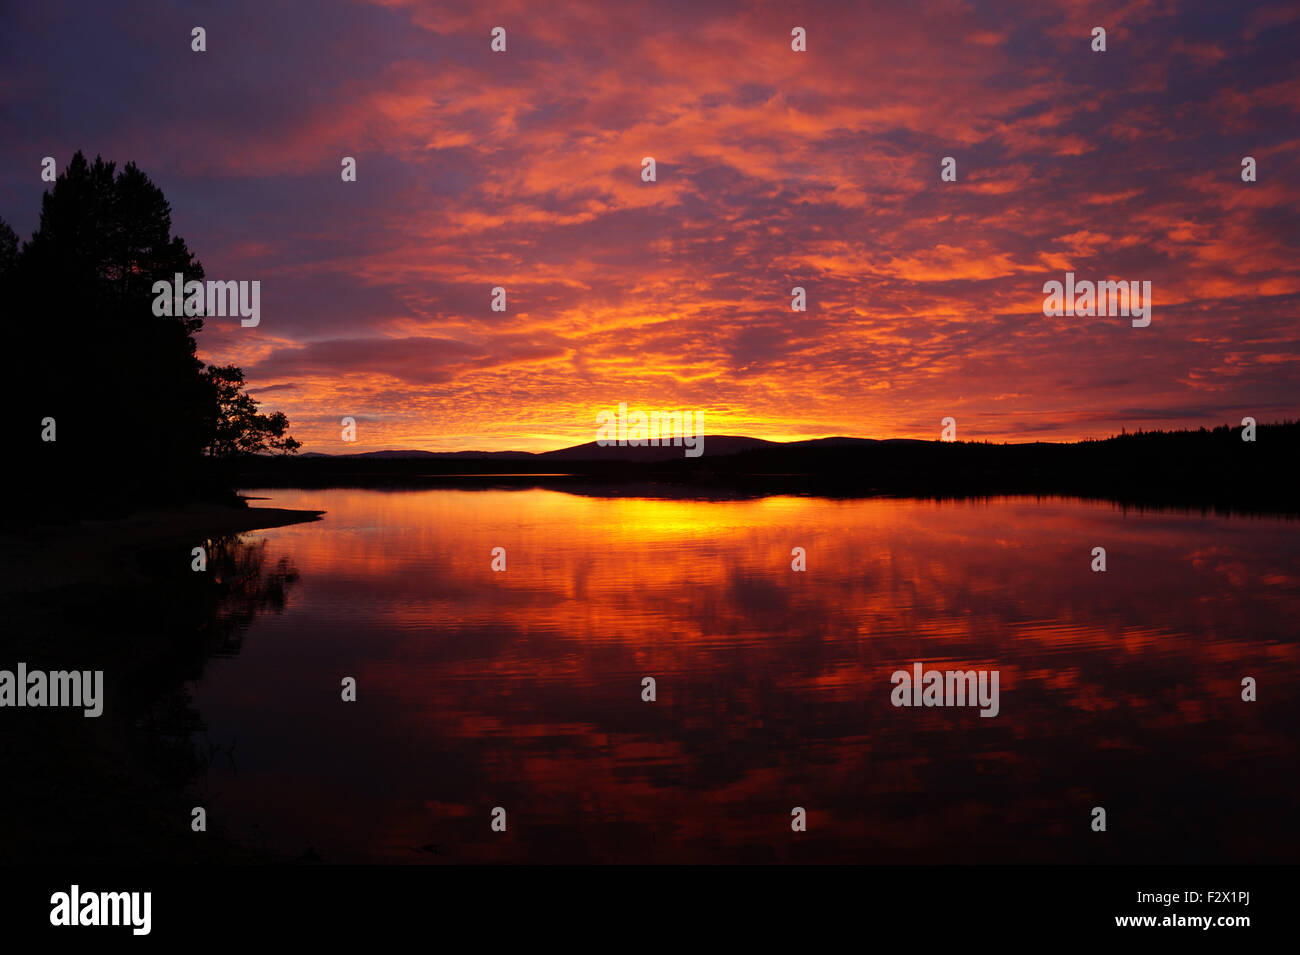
1206 468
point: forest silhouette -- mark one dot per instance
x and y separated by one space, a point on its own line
116 408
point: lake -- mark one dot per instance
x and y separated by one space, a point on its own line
523 689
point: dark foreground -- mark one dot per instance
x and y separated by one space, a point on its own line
120 596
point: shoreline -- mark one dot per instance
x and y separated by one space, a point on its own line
50 557
1226 470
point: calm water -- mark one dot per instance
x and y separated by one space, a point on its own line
522 689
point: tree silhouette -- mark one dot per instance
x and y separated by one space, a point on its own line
8 250
239 428
136 412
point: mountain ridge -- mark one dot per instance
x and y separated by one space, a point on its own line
717 445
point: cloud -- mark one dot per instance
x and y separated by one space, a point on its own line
775 169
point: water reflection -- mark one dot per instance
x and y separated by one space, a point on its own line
111 789
522 689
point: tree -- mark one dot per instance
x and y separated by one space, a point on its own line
137 413
8 249
238 428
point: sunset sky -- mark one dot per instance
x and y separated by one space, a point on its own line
821 169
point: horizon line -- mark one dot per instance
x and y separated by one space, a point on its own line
1124 432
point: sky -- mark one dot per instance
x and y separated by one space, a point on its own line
774 168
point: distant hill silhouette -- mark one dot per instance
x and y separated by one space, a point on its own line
1211 468
400 455
715 445
591 451
719 445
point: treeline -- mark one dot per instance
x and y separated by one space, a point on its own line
1201 468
